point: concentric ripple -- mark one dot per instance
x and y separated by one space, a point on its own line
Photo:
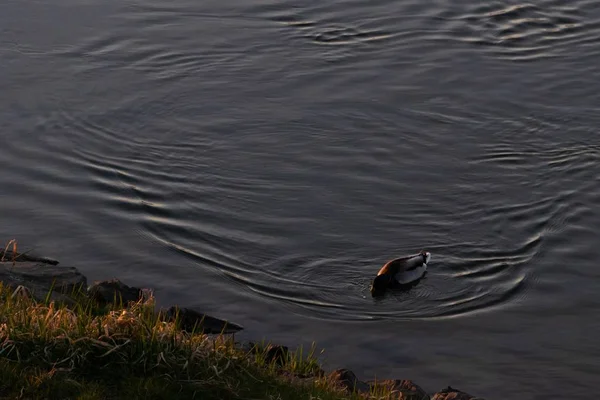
523 31
462 280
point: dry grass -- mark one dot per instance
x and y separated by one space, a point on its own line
12 242
50 351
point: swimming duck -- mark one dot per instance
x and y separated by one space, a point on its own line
400 271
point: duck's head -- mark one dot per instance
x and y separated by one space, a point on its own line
380 284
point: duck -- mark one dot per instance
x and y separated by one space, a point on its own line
400 271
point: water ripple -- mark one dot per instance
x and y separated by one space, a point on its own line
257 190
523 31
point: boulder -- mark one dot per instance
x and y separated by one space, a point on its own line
41 278
400 388
106 292
202 323
348 381
453 394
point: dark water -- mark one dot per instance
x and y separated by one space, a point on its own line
261 160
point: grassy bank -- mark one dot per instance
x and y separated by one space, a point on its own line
50 351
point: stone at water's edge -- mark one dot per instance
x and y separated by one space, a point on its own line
106 292
273 353
401 389
348 380
40 278
453 394
8 255
191 319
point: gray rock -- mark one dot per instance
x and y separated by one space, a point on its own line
348 381
202 323
400 389
8 255
42 278
453 394
107 292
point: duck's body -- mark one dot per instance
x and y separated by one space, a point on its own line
402 271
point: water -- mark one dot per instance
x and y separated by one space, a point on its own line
260 161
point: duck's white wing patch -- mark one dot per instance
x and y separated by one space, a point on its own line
412 275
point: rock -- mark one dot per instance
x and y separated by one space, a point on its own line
277 354
401 389
453 394
9 256
105 292
40 278
348 380
280 355
203 323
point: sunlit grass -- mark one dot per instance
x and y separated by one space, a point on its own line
86 352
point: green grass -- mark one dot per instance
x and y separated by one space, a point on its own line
48 351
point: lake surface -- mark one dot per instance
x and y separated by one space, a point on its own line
261 160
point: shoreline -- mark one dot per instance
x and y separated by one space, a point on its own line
42 281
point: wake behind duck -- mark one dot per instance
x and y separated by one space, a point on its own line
400 271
